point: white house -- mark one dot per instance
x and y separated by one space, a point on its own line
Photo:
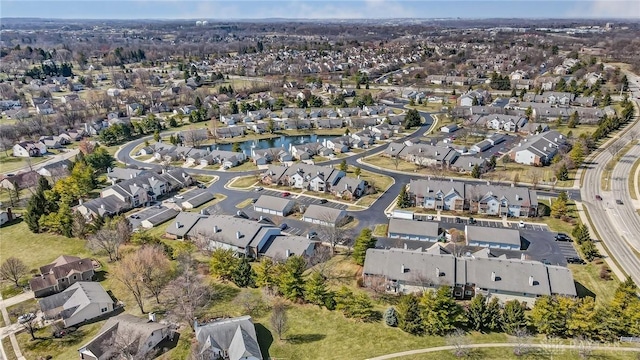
80 302
29 149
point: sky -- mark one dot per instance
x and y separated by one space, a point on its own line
318 9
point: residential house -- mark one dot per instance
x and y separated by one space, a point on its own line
23 180
538 149
182 224
57 169
147 186
486 199
142 338
474 97
103 206
243 236
45 108
325 216
53 142
340 144
134 109
303 176
424 154
448 129
29 149
511 123
196 197
79 303
308 150
349 188
228 339
230 132
6 216
408 271
63 272
267 156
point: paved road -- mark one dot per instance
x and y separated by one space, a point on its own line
51 159
551 348
617 224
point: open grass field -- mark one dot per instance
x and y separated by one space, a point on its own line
243 182
592 285
389 163
542 354
246 166
63 348
381 230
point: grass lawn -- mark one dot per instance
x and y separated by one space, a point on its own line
8 349
632 187
389 163
592 285
246 166
243 182
506 172
37 249
380 182
381 230
9 289
575 132
535 353
243 204
16 310
10 163
63 348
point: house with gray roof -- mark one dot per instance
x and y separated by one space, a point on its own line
142 337
281 247
57 169
104 206
349 188
303 176
82 301
538 149
196 197
485 199
324 215
182 224
154 216
228 339
266 156
413 230
428 155
498 238
407 271
273 205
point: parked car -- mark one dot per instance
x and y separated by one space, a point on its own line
135 216
545 261
562 237
258 188
323 201
313 235
283 226
458 220
201 186
179 197
253 201
429 217
285 194
472 220
619 202
598 197
26 317
575 260
521 224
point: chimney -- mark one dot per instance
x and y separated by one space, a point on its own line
101 206
215 228
178 225
287 253
493 276
437 272
238 235
405 246
130 176
152 317
402 269
195 323
530 280
523 257
261 218
79 202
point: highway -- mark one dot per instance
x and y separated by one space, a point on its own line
618 225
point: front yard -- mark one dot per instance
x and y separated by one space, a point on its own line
243 182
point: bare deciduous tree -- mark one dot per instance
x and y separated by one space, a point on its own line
193 137
125 343
332 234
156 272
279 320
109 239
129 272
460 343
522 341
188 293
13 269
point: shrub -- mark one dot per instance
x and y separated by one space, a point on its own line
605 273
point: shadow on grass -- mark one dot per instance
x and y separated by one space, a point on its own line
167 344
583 292
305 338
100 276
222 293
265 339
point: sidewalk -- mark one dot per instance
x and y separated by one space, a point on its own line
5 315
603 251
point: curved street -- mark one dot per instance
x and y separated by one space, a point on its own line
618 225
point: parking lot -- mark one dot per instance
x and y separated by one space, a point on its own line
446 220
303 199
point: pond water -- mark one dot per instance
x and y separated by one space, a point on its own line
282 140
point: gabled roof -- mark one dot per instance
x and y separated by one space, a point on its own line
75 298
273 203
323 213
236 336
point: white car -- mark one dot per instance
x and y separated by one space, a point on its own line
26 317
179 197
521 224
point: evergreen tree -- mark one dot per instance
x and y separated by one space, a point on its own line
574 119
243 275
363 242
404 201
409 319
236 147
493 320
440 312
355 306
412 119
357 171
223 264
493 161
291 282
549 316
156 136
343 166
476 313
559 208
391 317
513 317
37 205
315 289
563 173
476 172
583 322
266 272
